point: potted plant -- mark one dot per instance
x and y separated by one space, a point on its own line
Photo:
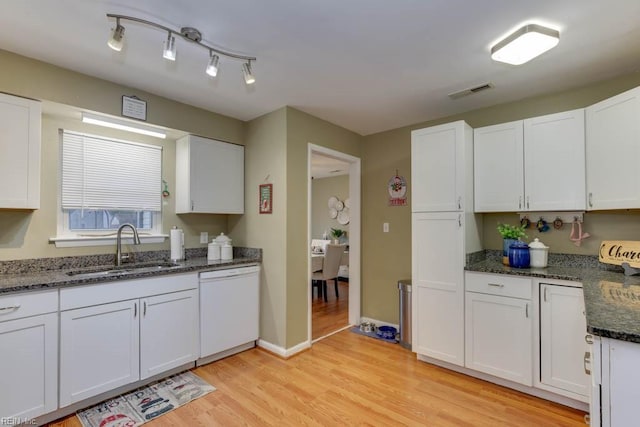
337 233
510 234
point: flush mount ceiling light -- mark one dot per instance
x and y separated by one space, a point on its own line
525 44
187 33
114 123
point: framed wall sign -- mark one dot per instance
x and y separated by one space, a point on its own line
134 107
266 198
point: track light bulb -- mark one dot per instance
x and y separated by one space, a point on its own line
169 51
248 76
212 67
115 41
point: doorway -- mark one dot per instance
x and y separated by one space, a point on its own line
323 163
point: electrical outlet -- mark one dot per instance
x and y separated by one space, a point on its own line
385 227
204 237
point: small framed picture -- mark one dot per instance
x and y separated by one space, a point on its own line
266 198
134 107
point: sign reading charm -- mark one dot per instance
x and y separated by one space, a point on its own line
397 188
617 252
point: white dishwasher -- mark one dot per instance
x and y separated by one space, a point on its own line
229 311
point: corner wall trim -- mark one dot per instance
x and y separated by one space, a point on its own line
281 351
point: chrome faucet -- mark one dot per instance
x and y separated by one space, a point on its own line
136 241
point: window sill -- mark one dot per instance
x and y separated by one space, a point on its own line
78 241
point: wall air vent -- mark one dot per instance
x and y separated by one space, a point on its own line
470 91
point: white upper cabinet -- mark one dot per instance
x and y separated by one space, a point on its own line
531 165
498 175
20 124
613 152
554 165
209 176
438 159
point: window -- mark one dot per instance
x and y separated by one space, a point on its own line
106 183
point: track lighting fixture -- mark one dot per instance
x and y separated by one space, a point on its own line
115 41
212 67
169 51
187 33
248 75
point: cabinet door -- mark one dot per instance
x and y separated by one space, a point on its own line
498 337
437 168
623 384
168 332
209 176
613 152
438 285
554 161
562 339
20 147
99 349
29 368
498 168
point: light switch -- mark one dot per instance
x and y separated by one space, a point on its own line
204 237
385 227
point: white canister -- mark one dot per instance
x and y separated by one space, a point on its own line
226 252
539 254
213 252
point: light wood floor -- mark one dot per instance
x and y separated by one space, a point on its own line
352 380
330 316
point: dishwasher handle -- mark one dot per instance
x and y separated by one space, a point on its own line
230 272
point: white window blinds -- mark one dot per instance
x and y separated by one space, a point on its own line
101 173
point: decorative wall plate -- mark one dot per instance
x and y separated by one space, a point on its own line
332 202
343 217
339 206
333 213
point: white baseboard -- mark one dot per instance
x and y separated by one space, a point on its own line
281 351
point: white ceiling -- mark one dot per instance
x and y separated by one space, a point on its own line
366 65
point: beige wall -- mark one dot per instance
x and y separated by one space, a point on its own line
265 162
321 190
387 257
303 129
25 234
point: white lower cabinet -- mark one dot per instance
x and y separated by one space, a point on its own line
563 346
29 343
118 333
499 327
99 349
616 383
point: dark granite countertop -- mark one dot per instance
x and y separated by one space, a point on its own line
20 279
612 300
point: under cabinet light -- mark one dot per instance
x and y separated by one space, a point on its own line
525 44
115 123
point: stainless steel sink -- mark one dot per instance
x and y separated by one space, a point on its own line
125 269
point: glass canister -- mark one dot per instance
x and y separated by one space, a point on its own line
519 255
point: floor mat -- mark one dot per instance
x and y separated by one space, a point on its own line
357 330
146 403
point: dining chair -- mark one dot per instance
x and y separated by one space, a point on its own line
330 268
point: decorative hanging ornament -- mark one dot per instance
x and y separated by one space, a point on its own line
397 188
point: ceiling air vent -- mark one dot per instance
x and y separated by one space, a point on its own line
470 91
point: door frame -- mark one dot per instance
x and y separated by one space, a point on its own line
354 230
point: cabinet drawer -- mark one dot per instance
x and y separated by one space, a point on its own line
17 306
498 284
